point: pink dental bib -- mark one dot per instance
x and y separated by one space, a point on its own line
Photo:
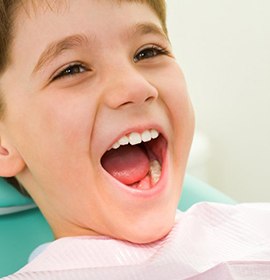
209 241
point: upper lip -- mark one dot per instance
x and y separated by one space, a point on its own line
138 129
135 137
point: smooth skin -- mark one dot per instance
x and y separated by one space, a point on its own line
115 73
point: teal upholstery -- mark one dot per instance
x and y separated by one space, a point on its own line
195 191
22 230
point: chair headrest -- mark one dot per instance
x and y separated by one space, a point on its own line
11 201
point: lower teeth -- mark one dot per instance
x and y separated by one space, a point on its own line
155 171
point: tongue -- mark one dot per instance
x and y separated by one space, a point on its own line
128 164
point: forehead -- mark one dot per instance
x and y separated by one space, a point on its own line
32 7
101 21
35 9
32 12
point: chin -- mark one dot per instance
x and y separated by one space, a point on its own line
150 231
150 236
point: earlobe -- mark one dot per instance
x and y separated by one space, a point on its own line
11 162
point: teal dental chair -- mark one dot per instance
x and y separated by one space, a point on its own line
23 228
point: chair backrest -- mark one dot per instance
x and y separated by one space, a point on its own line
23 228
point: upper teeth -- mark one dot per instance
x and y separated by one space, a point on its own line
135 138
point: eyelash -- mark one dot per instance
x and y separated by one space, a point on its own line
79 68
154 51
67 72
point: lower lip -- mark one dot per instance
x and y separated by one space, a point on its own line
156 190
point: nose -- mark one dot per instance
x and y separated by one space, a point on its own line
128 87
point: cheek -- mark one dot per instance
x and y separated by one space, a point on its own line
53 131
70 120
180 111
173 92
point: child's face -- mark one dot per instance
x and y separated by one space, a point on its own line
83 75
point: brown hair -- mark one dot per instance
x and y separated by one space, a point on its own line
8 12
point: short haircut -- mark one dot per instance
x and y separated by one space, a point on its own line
8 13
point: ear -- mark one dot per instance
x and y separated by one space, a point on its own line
11 162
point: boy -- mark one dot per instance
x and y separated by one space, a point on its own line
96 124
105 74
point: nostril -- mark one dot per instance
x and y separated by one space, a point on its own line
150 98
126 103
126 93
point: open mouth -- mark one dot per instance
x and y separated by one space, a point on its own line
136 159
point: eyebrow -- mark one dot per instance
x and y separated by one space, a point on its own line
55 48
147 28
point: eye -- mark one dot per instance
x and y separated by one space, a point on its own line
71 70
150 52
